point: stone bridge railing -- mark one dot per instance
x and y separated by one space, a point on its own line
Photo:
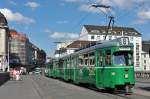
142 74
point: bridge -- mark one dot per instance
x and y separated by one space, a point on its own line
40 87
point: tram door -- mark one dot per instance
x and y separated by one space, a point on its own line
107 67
100 62
67 69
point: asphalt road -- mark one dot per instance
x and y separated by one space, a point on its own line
40 87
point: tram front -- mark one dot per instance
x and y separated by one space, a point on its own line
123 72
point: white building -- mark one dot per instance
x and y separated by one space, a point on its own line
146 55
61 48
71 47
3 42
145 61
98 33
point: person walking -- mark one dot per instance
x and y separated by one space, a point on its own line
17 74
14 74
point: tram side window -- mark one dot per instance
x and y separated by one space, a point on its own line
61 64
68 63
108 57
56 64
75 61
86 59
72 62
100 58
81 60
92 59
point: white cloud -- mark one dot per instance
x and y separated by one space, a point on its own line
75 1
143 17
62 22
139 21
16 16
12 2
122 4
63 35
32 5
47 30
145 14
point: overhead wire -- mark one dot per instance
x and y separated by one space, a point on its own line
106 14
84 18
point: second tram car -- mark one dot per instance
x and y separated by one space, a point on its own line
105 65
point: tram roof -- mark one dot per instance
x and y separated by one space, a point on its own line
104 44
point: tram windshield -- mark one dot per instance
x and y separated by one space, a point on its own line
123 58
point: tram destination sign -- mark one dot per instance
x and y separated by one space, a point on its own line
124 41
125 48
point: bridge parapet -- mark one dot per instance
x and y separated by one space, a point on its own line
142 74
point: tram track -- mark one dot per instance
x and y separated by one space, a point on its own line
81 89
115 95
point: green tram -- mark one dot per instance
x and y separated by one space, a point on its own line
108 65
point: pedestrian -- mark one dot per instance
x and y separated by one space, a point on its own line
17 74
21 73
14 74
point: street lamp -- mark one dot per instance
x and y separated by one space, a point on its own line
8 67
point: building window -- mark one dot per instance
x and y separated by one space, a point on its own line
137 65
95 31
144 67
145 55
103 37
98 37
144 61
92 37
103 32
131 38
110 37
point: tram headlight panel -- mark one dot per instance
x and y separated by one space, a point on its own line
113 73
126 75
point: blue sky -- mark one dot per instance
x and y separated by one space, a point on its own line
48 21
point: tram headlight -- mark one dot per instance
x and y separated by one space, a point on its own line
113 73
126 75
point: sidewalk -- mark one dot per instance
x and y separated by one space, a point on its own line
19 90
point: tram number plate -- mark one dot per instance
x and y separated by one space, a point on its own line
124 41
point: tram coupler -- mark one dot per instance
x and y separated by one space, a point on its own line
128 89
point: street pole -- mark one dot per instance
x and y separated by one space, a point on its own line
8 67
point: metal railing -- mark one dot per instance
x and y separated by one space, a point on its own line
142 74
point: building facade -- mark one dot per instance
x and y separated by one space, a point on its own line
23 53
98 33
61 48
71 47
146 55
4 31
18 43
